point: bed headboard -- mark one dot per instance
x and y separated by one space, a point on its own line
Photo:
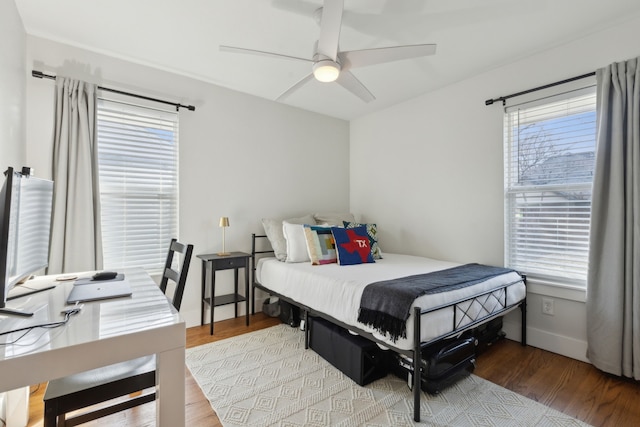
258 244
261 241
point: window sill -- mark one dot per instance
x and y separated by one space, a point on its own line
556 289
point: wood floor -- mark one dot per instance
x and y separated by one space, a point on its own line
570 386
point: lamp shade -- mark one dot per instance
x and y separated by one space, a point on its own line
224 223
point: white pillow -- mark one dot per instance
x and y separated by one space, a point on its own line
296 242
273 230
334 218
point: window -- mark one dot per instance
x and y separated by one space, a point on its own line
549 164
138 164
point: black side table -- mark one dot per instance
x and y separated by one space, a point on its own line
215 262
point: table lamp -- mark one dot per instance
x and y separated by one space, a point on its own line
224 223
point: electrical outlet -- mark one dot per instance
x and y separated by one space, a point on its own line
547 306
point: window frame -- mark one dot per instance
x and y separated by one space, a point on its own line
569 288
157 243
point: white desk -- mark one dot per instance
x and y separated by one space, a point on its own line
103 333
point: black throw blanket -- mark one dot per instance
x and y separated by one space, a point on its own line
386 305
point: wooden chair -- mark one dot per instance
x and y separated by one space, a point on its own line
100 385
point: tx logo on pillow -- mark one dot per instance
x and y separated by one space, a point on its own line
357 244
353 245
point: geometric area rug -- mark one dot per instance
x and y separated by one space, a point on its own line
266 378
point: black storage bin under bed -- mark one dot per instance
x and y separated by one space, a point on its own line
357 357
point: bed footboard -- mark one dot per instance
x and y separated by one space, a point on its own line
498 295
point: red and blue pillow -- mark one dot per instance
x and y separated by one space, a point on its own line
372 232
352 245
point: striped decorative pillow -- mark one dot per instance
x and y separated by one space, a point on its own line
320 245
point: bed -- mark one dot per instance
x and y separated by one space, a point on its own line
432 317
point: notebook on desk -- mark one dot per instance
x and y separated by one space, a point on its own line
99 290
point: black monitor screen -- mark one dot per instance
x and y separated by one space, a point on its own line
25 205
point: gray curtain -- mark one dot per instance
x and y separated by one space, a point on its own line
76 237
613 288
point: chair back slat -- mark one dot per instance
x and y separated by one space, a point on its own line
178 247
172 274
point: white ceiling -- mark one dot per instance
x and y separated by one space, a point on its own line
473 36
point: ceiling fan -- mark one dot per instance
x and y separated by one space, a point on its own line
329 64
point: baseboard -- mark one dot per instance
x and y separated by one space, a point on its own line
192 317
555 343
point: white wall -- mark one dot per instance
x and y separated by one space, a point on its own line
240 156
12 87
429 171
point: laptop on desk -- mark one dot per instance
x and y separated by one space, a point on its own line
99 290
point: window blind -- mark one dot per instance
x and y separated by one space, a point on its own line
549 165
138 168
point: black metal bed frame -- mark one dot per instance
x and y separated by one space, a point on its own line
497 296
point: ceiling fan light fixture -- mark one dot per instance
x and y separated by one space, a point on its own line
326 70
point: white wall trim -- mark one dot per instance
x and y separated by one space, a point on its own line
571 293
555 343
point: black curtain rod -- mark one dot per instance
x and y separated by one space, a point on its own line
41 75
524 92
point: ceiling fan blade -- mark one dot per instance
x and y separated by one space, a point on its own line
365 57
353 85
295 87
299 7
330 24
233 49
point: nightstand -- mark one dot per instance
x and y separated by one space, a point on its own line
213 263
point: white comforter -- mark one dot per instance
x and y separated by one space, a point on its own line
336 290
